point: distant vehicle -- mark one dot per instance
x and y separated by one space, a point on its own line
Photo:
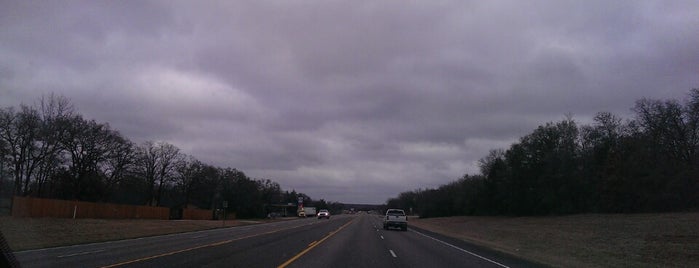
395 218
324 213
308 212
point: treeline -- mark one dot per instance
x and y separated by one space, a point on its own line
649 163
50 151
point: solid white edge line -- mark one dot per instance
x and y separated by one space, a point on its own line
392 253
80 253
461 249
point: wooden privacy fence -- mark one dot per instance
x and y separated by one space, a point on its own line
197 214
39 207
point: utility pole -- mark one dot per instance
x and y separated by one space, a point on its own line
225 207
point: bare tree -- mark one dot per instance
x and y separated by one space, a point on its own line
120 159
486 163
54 111
156 164
189 174
4 161
19 131
88 145
666 125
168 156
147 159
30 139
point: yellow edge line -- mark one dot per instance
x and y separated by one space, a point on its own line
313 245
193 248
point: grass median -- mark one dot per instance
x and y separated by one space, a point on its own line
34 233
588 240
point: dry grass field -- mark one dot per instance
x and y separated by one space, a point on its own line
33 233
589 240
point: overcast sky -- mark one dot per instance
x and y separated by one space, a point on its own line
350 101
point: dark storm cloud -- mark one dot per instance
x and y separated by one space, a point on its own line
346 101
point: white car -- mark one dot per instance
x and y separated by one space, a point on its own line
323 213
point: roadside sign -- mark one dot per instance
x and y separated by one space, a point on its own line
225 205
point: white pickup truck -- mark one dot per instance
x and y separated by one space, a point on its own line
395 218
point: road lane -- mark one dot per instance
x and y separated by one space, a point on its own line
342 241
312 245
413 250
108 253
366 244
357 245
269 250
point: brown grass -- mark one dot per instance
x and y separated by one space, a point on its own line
33 233
591 240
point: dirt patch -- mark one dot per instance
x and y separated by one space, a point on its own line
591 240
33 233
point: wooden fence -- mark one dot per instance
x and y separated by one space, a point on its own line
39 207
197 214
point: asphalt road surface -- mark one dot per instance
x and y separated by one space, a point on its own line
343 241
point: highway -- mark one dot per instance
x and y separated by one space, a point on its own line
343 241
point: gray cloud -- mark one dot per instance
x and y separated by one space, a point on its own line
346 101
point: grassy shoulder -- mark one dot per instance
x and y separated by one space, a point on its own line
588 240
34 233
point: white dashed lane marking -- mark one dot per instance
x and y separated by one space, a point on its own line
393 253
